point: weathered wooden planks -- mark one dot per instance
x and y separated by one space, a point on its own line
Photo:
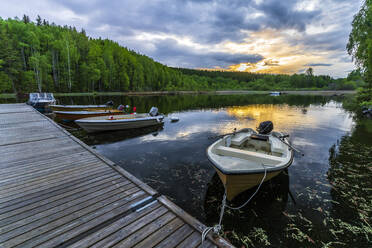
55 191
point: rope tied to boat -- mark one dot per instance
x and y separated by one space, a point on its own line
218 227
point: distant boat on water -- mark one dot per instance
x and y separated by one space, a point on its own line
275 93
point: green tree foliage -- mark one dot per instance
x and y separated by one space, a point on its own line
39 56
360 40
360 47
253 81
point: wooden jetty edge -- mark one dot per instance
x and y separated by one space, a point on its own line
55 191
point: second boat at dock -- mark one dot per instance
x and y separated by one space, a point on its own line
120 122
75 115
106 106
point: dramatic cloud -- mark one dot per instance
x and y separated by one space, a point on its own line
172 53
272 36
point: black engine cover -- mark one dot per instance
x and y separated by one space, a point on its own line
265 127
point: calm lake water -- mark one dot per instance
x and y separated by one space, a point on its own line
306 206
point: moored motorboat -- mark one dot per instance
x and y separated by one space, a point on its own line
41 101
245 158
121 122
106 106
75 115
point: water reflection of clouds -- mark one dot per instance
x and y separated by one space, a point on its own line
287 118
302 142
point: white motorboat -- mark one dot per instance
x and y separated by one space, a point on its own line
121 122
243 159
41 101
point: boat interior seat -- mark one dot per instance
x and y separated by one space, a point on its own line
260 137
239 139
277 146
249 155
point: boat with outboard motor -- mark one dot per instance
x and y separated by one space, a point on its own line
41 101
121 122
245 158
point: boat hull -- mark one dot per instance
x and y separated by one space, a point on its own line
91 126
79 107
75 115
43 107
236 184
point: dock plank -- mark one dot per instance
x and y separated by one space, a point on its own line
191 241
160 215
93 238
39 206
176 238
159 234
63 186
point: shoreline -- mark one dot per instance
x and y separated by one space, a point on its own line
218 92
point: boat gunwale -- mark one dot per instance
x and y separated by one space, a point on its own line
86 112
92 120
79 106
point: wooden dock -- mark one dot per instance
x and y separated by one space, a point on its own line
55 191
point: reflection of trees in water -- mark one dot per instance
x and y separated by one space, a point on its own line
172 103
260 222
350 174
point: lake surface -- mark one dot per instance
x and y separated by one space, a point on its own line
305 206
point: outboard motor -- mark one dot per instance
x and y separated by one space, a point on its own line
154 111
110 103
265 127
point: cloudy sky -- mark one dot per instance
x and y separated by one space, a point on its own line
275 36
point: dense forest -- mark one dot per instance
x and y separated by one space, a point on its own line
43 56
360 48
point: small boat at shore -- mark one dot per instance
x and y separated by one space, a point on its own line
245 158
75 115
106 106
41 101
121 122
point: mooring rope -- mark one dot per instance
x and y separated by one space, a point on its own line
218 227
